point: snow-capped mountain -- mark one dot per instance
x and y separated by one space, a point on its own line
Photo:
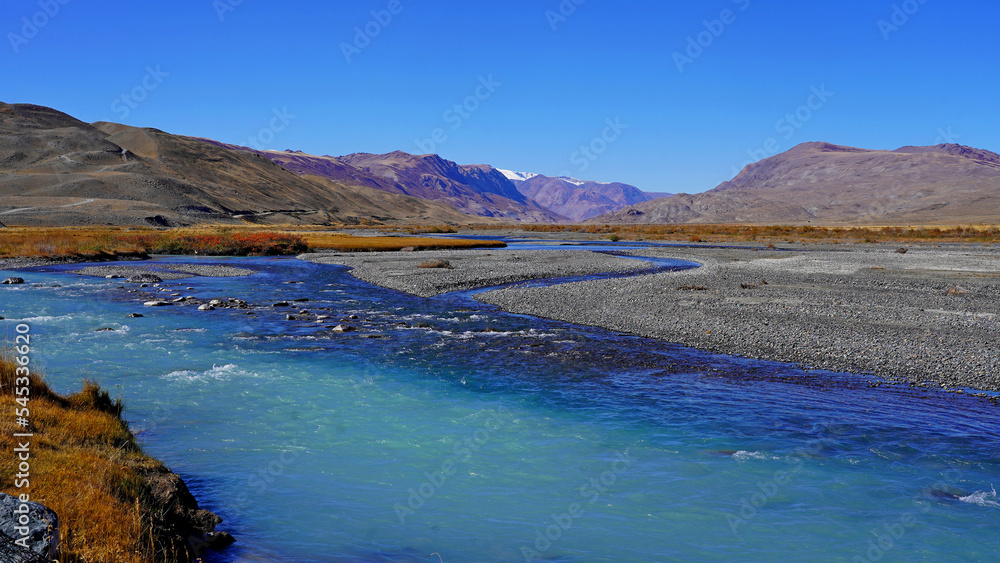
571 180
517 177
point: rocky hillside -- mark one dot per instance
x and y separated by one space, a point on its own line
56 170
473 189
821 183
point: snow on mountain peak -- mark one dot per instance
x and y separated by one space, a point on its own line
517 176
573 181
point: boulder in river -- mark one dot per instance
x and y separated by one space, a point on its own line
13 281
206 307
42 524
156 303
344 328
145 278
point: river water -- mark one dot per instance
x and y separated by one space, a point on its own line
446 430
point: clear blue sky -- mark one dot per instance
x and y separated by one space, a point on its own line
558 71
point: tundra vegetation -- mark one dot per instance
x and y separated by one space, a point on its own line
88 467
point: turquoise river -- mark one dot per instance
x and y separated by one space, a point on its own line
448 431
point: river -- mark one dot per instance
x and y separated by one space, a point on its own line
447 430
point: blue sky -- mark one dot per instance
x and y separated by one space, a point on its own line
668 96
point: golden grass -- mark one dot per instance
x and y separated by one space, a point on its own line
85 465
350 243
103 243
75 242
776 233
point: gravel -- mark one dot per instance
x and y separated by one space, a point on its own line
930 316
166 272
472 269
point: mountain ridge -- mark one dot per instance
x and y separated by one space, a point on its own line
475 189
820 182
56 170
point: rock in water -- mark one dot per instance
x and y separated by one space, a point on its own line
344 328
43 524
13 281
145 278
156 303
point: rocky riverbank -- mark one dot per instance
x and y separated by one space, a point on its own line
104 498
928 316
431 273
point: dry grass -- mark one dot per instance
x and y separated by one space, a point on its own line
103 243
85 465
736 233
348 243
75 242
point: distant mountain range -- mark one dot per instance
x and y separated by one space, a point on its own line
821 183
478 190
57 170
576 199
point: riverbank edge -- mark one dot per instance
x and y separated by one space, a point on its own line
837 308
84 439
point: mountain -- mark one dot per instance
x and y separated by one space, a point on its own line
516 177
822 183
576 199
56 170
477 190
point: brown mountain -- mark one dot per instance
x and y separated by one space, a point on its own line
473 189
580 201
57 170
830 184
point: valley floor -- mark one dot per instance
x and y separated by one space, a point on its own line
930 316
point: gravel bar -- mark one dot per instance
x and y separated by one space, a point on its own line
472 269
927 316
166 271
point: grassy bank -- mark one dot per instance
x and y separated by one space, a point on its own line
108 243
777 233
86 466
348 243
